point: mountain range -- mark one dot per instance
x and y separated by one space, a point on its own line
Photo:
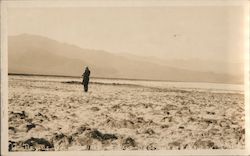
34 54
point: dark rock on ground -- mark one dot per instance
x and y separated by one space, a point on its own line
30 126
151 147
34 141
128 142
13 129
21 115
11 145
150 131
95 109
204 144
95 134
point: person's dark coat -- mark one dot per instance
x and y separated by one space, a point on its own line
85 81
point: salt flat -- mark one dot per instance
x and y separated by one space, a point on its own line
51 115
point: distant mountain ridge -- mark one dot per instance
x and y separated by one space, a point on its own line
33 54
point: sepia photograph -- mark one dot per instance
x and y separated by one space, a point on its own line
125 78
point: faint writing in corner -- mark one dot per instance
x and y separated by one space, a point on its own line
38 147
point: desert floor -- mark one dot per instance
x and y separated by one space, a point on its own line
51 115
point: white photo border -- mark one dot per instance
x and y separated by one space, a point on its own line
5 4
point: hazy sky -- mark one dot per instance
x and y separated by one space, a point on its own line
204 32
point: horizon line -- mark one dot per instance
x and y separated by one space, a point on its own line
113 78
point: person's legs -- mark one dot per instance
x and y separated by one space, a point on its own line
86 83
85 88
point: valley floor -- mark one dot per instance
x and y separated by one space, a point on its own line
55 116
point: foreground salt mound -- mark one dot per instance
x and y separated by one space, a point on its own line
85 137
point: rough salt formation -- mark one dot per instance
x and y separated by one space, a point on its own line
47 115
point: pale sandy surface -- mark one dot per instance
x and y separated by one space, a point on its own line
61 116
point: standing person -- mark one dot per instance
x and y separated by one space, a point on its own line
85 80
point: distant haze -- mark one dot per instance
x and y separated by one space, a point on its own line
189 39
32 54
